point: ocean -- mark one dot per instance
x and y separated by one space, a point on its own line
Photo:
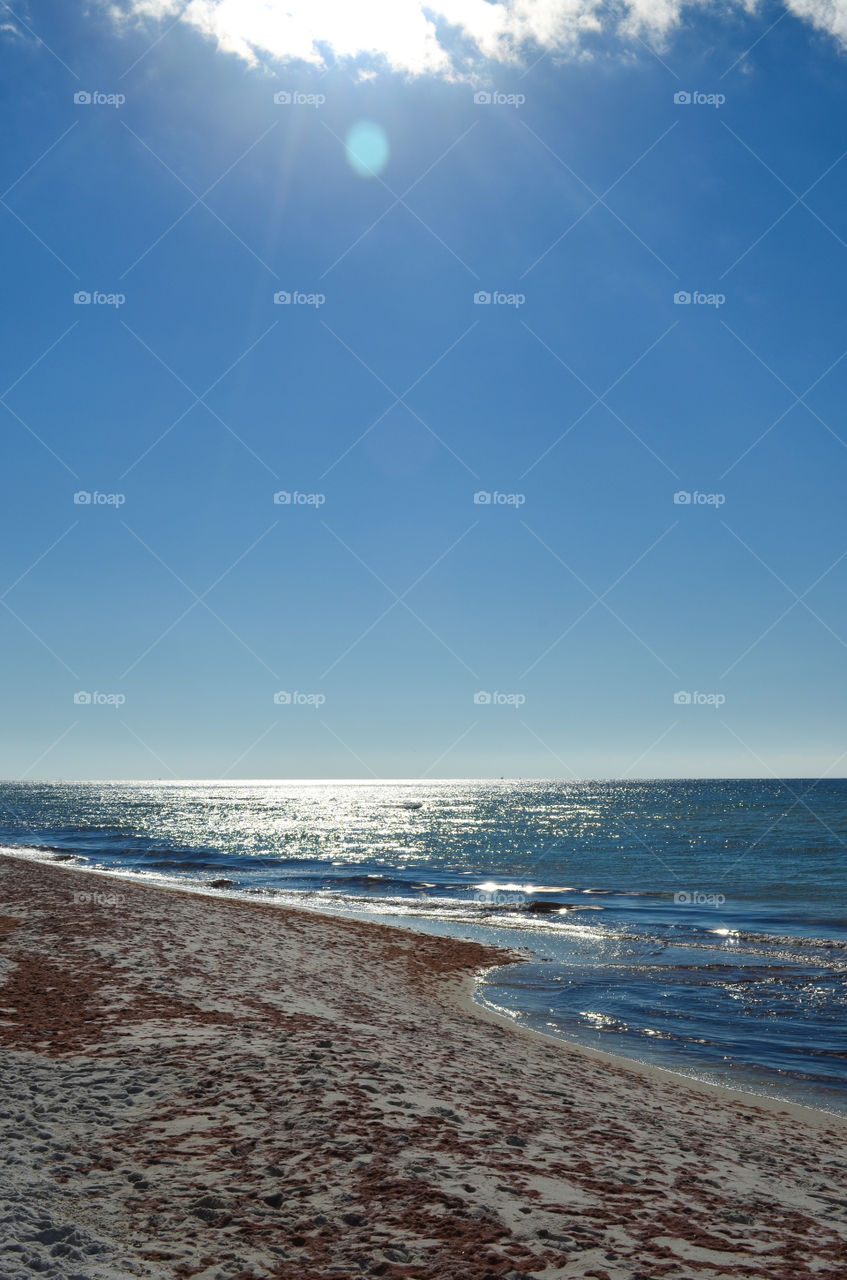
700 926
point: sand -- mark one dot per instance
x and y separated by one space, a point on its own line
196 1086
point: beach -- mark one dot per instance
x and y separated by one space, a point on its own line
195 1086
739 980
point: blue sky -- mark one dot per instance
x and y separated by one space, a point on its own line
424 634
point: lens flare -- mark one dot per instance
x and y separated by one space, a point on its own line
367 148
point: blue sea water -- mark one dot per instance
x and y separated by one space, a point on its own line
697 925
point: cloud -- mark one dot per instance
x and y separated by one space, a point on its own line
11 23
826 15
439 37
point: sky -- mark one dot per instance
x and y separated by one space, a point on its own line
423 392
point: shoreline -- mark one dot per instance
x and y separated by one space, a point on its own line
466 997
320 1096
721 1092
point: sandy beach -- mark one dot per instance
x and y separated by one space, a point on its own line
199 1087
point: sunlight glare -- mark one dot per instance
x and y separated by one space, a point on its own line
367 148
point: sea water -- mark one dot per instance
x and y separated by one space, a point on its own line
697 925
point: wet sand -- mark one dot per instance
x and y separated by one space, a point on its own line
196 1086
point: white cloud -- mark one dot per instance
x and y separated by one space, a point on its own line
826 15
441 37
